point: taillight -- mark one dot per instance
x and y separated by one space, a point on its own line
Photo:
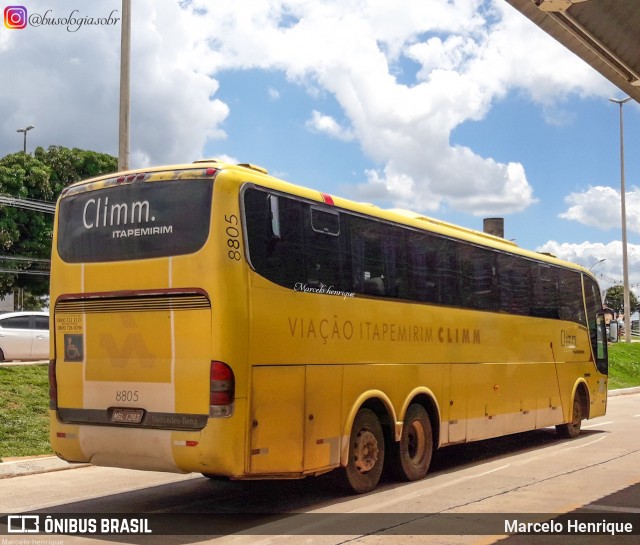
222 390
53 385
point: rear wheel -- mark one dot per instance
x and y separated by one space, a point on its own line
1 355
572 429
413 452
366 453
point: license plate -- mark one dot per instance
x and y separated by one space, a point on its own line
127 416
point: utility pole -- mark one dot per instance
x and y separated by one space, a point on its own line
125 92
623 211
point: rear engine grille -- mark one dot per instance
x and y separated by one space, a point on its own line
133 302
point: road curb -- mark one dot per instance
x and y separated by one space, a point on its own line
624 391
34 465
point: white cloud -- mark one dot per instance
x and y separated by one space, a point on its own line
274 94
67 83
468 54
328 125
588 254
599 206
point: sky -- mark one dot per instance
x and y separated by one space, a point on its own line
458 109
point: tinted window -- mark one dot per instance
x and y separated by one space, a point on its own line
16 322
135 221
275 236
42 322
296 243
544 290
326 254
478 278
433 269
325 221
288 247
570 303
515 284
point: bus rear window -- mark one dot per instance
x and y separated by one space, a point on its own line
135 221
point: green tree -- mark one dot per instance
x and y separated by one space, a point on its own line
614 299
27 233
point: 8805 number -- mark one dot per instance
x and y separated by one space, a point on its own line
127 395
233 237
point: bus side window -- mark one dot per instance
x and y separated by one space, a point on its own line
515 292
325 259
378 256
367 255
274 226
544 288
570 307
478 274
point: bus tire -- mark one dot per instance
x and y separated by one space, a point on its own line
366 453
412 454
572 429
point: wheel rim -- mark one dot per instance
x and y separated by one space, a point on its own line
416 442
365 451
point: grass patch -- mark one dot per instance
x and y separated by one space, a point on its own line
24 416
624 365
24 400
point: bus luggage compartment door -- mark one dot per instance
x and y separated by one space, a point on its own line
277 419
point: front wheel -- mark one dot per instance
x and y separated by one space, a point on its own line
572 429
366 453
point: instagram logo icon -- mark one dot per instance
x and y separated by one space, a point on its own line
15 17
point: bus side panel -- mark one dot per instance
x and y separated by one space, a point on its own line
485 401
522 400
323 422
457 404
549 407
221 445
597 394
277 415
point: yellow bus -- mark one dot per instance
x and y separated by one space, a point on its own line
211 318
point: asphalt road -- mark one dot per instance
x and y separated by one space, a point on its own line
471 492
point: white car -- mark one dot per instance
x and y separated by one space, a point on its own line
24 336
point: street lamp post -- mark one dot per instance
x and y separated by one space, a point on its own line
623 211
25 130
125 92
597 263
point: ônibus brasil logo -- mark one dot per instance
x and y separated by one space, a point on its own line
15 17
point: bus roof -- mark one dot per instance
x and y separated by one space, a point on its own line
399 216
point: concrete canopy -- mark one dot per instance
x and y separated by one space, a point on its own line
603 33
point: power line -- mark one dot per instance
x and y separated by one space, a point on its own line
29 204
45 265
36 273
16 258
